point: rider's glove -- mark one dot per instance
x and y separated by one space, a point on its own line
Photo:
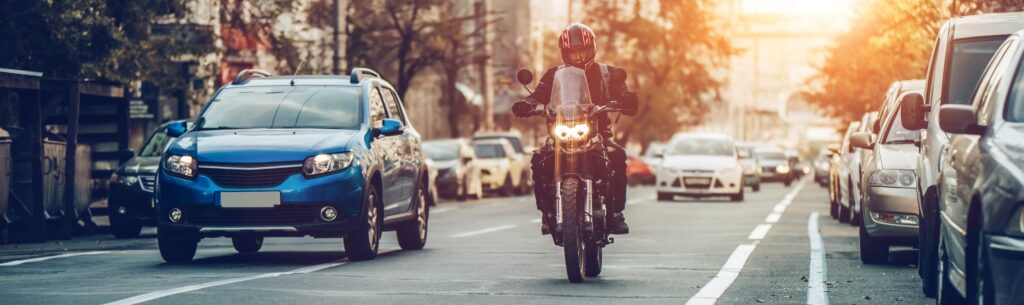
523 108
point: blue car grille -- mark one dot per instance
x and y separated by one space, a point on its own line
249 175
281 215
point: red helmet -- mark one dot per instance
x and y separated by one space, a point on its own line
578 45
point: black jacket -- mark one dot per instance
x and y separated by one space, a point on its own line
617 91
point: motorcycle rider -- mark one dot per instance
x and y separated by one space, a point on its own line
607 87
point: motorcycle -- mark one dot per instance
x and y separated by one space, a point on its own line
581 170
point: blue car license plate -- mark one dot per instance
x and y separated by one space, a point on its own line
249 199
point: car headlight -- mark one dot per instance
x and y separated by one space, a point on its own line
184 166
782 169
893 178
326 163
565 132
1016 224
127 180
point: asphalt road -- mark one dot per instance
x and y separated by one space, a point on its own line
762 250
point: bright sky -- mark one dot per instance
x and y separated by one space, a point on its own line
797 7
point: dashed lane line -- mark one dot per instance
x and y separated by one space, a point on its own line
45 258
709 294
482 231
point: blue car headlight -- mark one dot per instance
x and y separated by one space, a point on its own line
184 166
326 163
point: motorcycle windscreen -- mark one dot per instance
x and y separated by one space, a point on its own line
570 94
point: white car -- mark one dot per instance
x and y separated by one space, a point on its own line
700 165
522 176
496 159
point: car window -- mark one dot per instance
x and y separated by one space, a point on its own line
771 155
1015 105
377 114
489 151
934 73
517 146
986 94
442 151
392 104
156 144
284 107
896 134
714 147
969 60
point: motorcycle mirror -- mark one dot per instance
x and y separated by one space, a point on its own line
524 76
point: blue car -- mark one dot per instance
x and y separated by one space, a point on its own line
280 156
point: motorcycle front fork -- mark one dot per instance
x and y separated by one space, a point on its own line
593 229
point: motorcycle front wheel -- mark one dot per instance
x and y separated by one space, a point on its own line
574 244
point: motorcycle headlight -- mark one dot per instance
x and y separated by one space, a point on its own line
326 163
782 169
564 132
893 178
180 165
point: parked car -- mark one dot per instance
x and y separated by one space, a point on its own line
857 160
321 156
458 174
522 176
700 165
751 166
496 158
653 155
963 47
638 172
839 176
890 212
131 204
981 189
822 164
774 167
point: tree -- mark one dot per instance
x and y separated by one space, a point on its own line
669 48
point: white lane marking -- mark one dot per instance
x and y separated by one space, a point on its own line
714 289
773 218
168 292
44 258
759 232
442 210
818 276
709 294
484 231
535 220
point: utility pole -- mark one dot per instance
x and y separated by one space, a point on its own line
486 88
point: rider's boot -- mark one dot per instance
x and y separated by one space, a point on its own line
617 224
545 203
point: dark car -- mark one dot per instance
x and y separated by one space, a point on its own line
981 188
774 166
131 203
458 175
293 156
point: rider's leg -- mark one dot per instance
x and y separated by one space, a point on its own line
617 191
543 189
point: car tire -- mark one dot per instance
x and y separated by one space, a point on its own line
363 243
247 244
756 187
737 197
665 196
833 209
844 213
787 182
945 293
124 226
412 235
175 250
873 250
928 245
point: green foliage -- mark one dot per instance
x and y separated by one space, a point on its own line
110 40
669 48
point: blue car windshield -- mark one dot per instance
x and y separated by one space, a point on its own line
284 107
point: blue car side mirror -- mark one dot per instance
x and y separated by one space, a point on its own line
177 128
390 127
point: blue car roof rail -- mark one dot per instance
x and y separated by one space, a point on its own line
358 74
248 74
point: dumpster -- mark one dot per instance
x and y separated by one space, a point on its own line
5 181
53 177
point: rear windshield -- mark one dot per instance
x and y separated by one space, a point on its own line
284 107
516 144
714 147
769 155
441 151
970 57
488 151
